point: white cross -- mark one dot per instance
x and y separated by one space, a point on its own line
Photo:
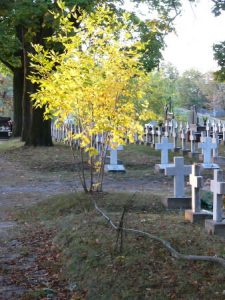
215 140
207 147
166 133
178 170
174 133
159 134
114 155
153 135
183 139
164 146
192 139
218 188
196 182
223 132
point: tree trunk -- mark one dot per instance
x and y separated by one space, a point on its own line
40 129
18 77
36 131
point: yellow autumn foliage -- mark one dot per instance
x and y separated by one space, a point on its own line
91 80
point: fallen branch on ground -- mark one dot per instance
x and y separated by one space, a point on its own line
166 244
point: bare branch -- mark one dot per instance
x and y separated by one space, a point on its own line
166 244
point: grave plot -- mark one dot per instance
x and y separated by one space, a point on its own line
178 170
196 214
217 224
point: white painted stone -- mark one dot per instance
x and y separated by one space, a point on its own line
178 171
159 133
196 182
166 133
207 147
218 188
113 165
183 139
192 139
215 140
164 146
153 131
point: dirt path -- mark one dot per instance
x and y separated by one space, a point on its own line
19 189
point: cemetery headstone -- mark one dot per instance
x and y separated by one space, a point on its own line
178 170
164 146
183 136
217 224
193 152
207 147
113 165
196 214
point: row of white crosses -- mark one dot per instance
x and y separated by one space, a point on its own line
207 145
60 134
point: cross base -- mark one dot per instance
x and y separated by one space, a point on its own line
210 166
114 168
177 203
193 154
213 227
197 217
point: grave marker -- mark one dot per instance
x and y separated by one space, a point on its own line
196 181
207 147
164 146
178 170
113 165
217 224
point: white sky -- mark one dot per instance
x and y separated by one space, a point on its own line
196 32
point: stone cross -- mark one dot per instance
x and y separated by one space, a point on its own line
220 126
174 133
208 128
207 147
215 140
153 135
196 182
183 139
223 132
114 155
178 170
192 139
159 133
218 188
166 133
164 146
146 134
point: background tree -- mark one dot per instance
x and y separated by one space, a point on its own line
90 82
189 89
219 49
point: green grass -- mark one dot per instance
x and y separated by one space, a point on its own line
144 270
12 143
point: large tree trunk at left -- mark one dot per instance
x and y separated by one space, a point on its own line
40 129
36 131
18 77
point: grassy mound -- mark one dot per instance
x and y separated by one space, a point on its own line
96 269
